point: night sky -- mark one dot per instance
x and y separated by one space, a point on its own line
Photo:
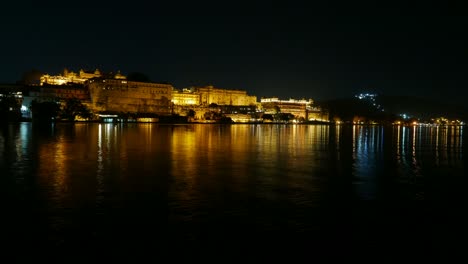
288 49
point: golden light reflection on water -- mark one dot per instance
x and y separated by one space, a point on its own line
194 176
53 166
111 146
203 160
184 155
338 132
258 160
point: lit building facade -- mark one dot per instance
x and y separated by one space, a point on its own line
114 95
317 114
15 92
298 108
54 93
58 92
185 97
72 77
210 95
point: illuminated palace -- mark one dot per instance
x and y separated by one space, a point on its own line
69 77
235 104
210 95
107 92
272 105
298 108
114 93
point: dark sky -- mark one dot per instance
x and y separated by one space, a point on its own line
288 49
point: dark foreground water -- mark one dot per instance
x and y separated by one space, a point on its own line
236 190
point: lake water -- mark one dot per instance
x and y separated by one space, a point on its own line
288 189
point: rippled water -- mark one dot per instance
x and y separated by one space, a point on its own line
308 188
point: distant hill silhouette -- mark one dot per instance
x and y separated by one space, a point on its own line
348 108
423 107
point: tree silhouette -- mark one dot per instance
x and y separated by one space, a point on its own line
74 107
44 110
10 108
191 113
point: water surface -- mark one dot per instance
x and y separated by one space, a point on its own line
305 188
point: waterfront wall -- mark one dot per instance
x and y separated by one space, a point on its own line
110 95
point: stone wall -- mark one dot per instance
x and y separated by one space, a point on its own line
126 96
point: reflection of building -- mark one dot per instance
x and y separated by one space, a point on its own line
115 95
242 118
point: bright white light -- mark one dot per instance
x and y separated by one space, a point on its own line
24 108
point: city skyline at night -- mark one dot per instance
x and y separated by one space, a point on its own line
233 130
294 50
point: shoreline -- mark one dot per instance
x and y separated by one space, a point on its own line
168 122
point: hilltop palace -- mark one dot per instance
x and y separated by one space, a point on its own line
108 93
